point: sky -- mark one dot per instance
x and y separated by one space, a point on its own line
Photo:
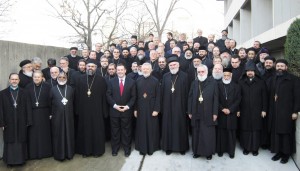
32 21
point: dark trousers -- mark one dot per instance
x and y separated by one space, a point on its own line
121 132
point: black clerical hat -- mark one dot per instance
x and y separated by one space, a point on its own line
24 62
264 50
270 58
143 49
202 48
227 70
172 58
282 61
250 66
93 61
73 48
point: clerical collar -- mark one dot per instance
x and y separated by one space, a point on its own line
13 88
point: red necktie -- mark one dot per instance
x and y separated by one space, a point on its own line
121 87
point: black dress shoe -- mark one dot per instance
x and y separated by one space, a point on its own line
182 152
255 153
284 159
276 157
168 152
231 156
220 154
127 153
196 156
141 153
150 154
245 152
209 157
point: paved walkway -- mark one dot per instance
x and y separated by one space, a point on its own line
159 161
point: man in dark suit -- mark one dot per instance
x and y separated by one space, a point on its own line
121 96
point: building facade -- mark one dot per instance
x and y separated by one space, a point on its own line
266 21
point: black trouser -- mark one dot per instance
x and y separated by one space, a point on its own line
121 133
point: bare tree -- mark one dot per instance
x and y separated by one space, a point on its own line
110 29
138 23
160 21
82 15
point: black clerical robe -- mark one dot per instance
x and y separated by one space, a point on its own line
254 101
229 98
147 139
73 61
24 79
174 120
15 119
91 110
203 125
281 126
62 122
39 133
52 82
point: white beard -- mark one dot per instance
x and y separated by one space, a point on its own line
61 82
202 78
29 74
217 76
188 57
140 73
226 81
146 75
140 57
174 71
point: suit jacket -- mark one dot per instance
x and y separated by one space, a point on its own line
128 97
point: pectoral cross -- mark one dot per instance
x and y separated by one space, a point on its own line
15 104
275 97
37 104
64 101
172 89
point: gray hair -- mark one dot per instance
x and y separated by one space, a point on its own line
36 60
203 66
147 64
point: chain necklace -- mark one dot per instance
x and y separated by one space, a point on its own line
89 86
64 99
37 97
201 92
173 84
15 99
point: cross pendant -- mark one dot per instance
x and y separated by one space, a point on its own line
172 89
37 104
15 104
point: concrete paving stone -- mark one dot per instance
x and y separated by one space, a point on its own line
159 161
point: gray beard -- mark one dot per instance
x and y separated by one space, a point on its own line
90 72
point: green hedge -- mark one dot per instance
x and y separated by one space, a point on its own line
292 47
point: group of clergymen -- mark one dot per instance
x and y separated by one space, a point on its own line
60 111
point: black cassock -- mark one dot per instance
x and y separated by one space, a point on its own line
229 98
253 102
203 126
281 125
147 126
90 139
15 121
174 116
39 133
62 122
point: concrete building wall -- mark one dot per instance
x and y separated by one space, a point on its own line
12 53
266 21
